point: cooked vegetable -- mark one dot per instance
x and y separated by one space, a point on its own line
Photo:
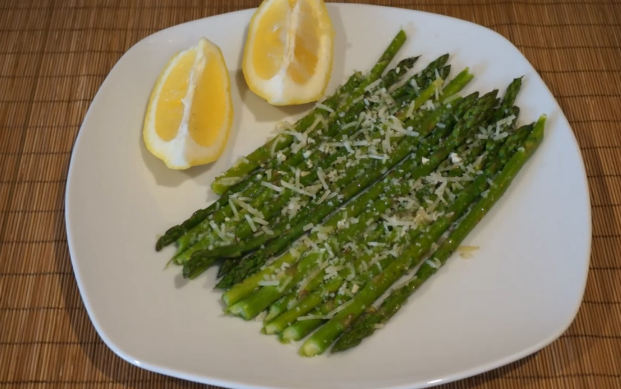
375 318
322 227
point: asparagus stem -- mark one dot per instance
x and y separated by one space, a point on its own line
471 152
246 285
263 153
285 237
262 195
292 297
324 337
248 266
408 167
271 208
276 324
259 301
366 325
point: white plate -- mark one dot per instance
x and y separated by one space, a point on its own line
519 293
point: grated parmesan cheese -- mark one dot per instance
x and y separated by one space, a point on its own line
271 186
466 252
234 209
329 250
324 107
415 86
338 309
247 207
218 231
274 144
296 189
372 85
310 129
251 223
260 221
451 98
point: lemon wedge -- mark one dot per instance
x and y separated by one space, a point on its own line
288 53
190 110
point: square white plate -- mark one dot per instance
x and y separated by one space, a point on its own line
519 293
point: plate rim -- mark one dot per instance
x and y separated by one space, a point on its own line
465 373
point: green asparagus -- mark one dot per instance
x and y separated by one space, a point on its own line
269 208
324 337
263 153
254 304
249 265
366 325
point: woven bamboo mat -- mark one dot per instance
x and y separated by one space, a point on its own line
55 54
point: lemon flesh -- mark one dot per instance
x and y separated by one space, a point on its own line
288 52
190 111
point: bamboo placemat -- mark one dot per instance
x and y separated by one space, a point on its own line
55 54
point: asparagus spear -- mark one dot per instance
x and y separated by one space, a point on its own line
260 300
470 118
506 107
472 160
247 285
248 266
262 200
241 289
366 325
322 339
307 303
508 99
263 153
270 209
301 329
292 297
280 226
322 210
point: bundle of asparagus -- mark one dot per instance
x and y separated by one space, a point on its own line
322 227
